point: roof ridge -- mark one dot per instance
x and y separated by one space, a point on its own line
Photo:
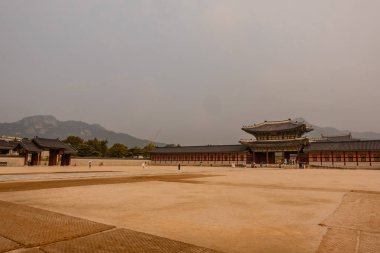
202 146
353 140
276 140
274 122
42 138
338 135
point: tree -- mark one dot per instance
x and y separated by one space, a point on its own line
85 150
147 149
99 145
172 145
74 141
118 150
136 151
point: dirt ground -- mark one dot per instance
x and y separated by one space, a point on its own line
224 209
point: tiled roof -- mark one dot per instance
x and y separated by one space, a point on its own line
364 145
274 143
7 145
49 143
346 137
29 146
54 144
269 126
201 149
69 149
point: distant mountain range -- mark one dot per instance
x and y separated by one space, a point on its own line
47 126
318 131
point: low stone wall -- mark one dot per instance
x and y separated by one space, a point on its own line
348 165
107 162
12 161
199 163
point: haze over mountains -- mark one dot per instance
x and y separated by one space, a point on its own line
334 131
49 127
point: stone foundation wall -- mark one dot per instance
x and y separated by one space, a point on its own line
348 165
12 161
19 161
199 163
106 162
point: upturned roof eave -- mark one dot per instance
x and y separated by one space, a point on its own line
258 131
273 141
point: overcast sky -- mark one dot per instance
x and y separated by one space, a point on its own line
194 71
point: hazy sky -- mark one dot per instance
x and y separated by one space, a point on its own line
194 71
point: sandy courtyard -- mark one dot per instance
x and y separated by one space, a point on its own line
224 209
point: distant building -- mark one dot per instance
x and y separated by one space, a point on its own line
58 152
6 147
201 155
278 142
10 138
345 137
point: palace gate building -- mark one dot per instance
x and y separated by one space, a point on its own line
33 149
277 142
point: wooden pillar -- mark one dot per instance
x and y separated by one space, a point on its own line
51 158
33 159
50 162
321 157
254 157
332 158
267 156
370 158
67 160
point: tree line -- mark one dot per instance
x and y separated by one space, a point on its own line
99 148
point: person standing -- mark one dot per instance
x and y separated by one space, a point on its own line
179 166
89 164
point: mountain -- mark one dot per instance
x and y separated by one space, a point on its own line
334 131
47 126
50 127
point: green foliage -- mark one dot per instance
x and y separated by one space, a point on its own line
172 145
136 151
74 141
90 148
99 148
147 149
85 150
99 145
118 150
